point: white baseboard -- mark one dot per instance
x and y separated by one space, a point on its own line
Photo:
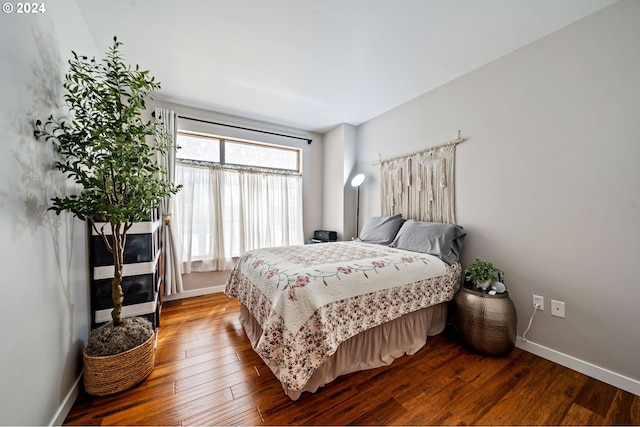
617 380
194 293
67 403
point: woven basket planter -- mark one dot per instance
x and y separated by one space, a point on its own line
104 375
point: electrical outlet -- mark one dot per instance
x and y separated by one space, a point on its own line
537 299
557 308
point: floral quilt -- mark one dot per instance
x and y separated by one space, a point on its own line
309 299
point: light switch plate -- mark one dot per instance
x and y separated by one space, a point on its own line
557 308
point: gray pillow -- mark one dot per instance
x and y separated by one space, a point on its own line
433 238
381 230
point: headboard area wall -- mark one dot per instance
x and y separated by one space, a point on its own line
421 185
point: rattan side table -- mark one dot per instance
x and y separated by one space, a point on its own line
487 323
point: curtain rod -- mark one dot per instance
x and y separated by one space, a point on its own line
245 128
456 141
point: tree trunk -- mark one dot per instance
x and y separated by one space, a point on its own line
118 297
118 263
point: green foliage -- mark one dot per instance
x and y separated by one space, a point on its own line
481 271
106 148
102 143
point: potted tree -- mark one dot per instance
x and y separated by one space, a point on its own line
481 273
107 149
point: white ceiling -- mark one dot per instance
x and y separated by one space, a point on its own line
313 64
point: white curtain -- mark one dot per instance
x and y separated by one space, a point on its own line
171 251
225 212
420 186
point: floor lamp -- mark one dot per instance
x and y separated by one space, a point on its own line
356 182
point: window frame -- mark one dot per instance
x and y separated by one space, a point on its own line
223 163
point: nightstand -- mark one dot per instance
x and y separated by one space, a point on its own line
487 323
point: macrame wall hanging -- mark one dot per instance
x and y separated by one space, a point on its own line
421 185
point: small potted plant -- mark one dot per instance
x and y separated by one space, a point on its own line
481 273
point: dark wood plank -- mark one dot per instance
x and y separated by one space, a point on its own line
625 409
596 396
207 374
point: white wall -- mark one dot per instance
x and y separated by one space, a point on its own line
333 181
44 306
548 184
339 157
348 172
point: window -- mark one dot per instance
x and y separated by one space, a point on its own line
236 196
226 151
198 147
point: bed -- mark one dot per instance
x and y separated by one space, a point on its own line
315 312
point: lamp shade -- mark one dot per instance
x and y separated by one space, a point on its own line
357 180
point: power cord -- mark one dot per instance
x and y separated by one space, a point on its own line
524 335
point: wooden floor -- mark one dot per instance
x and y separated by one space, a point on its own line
207 374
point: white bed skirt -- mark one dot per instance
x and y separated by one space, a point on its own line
375 347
